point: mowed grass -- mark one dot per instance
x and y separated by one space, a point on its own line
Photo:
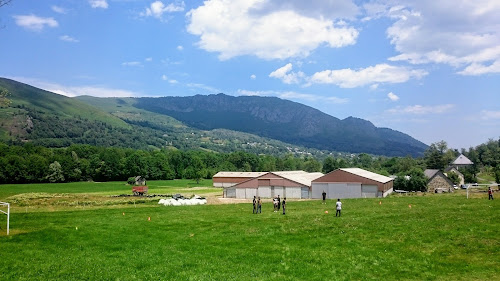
441 237
101 188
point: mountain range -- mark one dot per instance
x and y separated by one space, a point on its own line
215 122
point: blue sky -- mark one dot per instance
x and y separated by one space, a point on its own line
430 69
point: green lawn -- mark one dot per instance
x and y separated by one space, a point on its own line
441 237
100 188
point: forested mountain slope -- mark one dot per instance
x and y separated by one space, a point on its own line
284 120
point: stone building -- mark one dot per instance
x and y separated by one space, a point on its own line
437 181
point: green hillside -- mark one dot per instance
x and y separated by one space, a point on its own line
52 120
33 99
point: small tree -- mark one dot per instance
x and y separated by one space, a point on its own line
4 101
55 172
453 177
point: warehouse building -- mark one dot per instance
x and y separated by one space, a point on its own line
289 184
227 179
351 183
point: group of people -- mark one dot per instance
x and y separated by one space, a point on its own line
278 204
257 205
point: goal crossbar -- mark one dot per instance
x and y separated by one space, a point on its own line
7 213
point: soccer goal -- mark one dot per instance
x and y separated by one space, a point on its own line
475 190
3 205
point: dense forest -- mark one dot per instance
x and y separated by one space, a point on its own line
30 163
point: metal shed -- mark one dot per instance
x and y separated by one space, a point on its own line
290 184
351 183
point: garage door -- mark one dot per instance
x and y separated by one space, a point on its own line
251 192
265 191
305 193
240 193
369 191
292 192
230 193
344 190
317 190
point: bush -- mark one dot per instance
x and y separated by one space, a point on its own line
131 180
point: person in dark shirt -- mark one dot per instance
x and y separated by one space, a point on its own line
490 193
259 206
324 197
284 205
279 202
254 205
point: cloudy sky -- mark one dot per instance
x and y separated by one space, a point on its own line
430 69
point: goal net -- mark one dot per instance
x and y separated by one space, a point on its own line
5 209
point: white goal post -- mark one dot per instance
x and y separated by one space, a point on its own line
469 186
2 204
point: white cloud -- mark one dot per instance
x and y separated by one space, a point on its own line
490 115
180 48
392 96
286 76
249 27
380 73
478 69
98 4
132 63
72 91
35 23
59 10
148 59
420 109
171 81
293 95
68 38
465 35
157 9
253 77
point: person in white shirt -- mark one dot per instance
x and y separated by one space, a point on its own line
339 207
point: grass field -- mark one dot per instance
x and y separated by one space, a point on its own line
441 237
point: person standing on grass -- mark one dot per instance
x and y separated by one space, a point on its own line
279 202
259 206
254 206
339 207
275 204
324 197
490 193
284 205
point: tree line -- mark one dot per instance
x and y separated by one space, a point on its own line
31 163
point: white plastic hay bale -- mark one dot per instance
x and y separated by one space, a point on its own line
182 202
